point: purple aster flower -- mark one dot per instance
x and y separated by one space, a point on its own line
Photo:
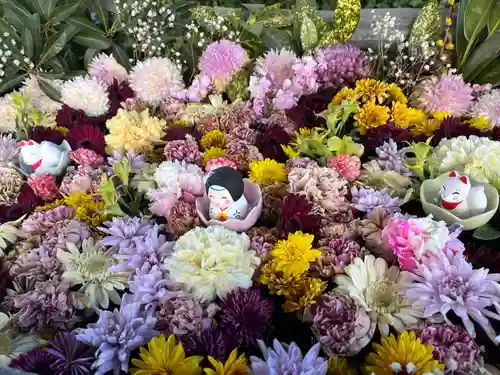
454 347
8 150
150 249
35 361
392 159
136 161
65 231
366 199
122 231
69 356
116 334
288 359
245 316
39 223
209 342
341 65
449 283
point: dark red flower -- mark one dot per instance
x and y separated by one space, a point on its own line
26 202
40 133
305 114
209 342
295 215
118 93
453 127
270 143
377 136
87 136
178 133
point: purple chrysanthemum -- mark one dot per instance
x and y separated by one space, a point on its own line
448 93
39 223
366 199
116 334
341 65
245 316
136 161
35 361
69 356
392 159
122 231
454 347
64 231
209 342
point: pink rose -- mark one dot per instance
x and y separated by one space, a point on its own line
348 166
43 185
86 157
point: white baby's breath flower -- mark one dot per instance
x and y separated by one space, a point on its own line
86 94
8 115
39 99
107 69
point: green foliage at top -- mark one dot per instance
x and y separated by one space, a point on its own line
322 4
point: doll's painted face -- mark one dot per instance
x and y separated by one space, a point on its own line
220 197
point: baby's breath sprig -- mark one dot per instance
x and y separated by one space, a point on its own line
13 57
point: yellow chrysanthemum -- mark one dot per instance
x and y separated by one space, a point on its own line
61 129
441 115
276 282
89 208
212 153
306 294
345 94
371 90
426 127
267 172
290 152
234 365
480 123
293 255
50 206
339 366
131 130
164 357
396 93
371 116
406 353
214 138
403 116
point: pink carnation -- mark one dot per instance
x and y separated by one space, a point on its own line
348 166
44 186
86 157
183 150
218 162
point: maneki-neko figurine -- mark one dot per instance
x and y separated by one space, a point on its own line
46 157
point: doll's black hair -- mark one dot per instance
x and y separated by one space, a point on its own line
229 179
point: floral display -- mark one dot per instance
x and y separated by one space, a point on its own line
338 245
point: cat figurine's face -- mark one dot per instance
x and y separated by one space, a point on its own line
455 189
30 151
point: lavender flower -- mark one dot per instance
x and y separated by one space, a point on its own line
8 150
68 356
446 284
392 159
72 231
39 223
136 161
454 347
116 334
366 199
288 360
122 231
245 316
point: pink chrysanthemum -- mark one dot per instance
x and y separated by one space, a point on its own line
348 166
448 93
106 69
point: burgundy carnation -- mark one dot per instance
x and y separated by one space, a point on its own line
118 94
305 114
377 136
453 127
26 202
295 215
87 136
270 143
39 134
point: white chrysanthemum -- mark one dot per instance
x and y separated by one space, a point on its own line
212 261
169 173
86 94
477 157
487 106
380 291
91 268
38 98
8 115
154 79
431 238
107 69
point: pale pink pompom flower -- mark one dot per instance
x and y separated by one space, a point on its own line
348 166
106 69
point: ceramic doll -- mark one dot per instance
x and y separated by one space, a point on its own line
461 198
225 189
46 157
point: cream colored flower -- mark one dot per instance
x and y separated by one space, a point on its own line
380 291
9 233
91 268
86 94
39 99
8 114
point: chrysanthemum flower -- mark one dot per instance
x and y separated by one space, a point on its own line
277 282
213 153
89 208
235 365
165 357
487 106
106 69
293 255
8 115
86 94
267 172
406 353
403 116
68 356
121 232
213 138
370 116
305 294
296 215
371 90
39 99
86 136
36 361
339 366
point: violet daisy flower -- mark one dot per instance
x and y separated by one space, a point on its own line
35 361
69 356
366 199
122 231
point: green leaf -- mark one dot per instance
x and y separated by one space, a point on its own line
52 47
18 10
276 38
476 18
49 89
120 56
93 40
12 82
460 40
89 55
491 74
101 12
494 19
486 233
62 13
27 41
308 34
7 28
44 7
346 19
427 24
481 57
34 27
85 25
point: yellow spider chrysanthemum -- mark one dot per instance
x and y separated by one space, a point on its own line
166 358
213 138
396 94
234 365
293 255
406 353
89 208
480 123
345 94
212 153
441 115
339 366
276 282
427 127
371 116
267 172
371 90
403 116
306 294
290 152
63 130
50 206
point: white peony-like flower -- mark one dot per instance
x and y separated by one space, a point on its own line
380 291
8 115
431 238
107 69
86 94
39 99
212 261
487 106
155 79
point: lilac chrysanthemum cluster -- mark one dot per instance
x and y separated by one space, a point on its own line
391 159
123 233
280 78
340 65
366 199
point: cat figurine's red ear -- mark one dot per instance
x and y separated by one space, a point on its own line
453 174
464 179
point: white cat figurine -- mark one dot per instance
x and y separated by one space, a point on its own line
45 157
461 198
